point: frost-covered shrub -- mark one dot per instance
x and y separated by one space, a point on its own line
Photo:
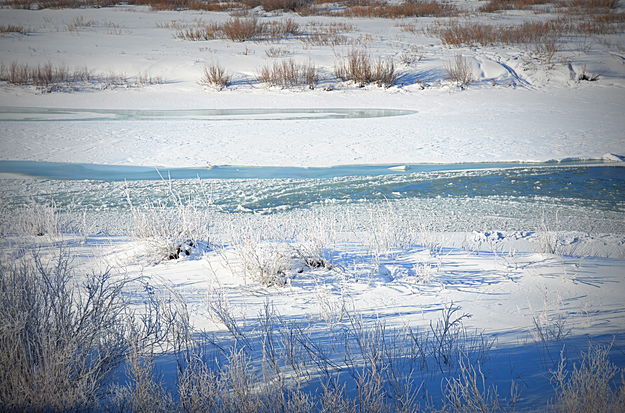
59 341
171 231
34 218
590 386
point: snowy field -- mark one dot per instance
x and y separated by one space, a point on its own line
321 262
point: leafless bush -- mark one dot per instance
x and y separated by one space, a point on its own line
260 259
215 76
319 34
404 9
278 30
600 23
79 22
59 340
143 394
549 328
271 5
311 75
496 5
58 4
288 74
593 4
49 77
460 71
547 48
240 30
425 272
548 240
359 68
199 387
448 336
315 239
468 393
207 32
474 34
12 28
411 56
34 219
589 387
266 264
277 52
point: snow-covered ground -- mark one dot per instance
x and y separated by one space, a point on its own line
517 108
536 273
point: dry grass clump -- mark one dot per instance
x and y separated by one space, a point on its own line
288 73
42 75
319 34
277 52
590 5
477 34
209 5
271 5
206 5
277 30
542 36
215 76
394 11
359 68
57 4
242 29
12 28
52 78
460 71
601 24
206 32
78 23
587 5
496 5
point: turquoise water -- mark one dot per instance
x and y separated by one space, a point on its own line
260 189
76 171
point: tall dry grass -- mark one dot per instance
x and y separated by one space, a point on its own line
215 76
242 29
359 67
54 77
288 73
383 9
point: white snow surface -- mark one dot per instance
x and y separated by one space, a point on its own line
515 110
